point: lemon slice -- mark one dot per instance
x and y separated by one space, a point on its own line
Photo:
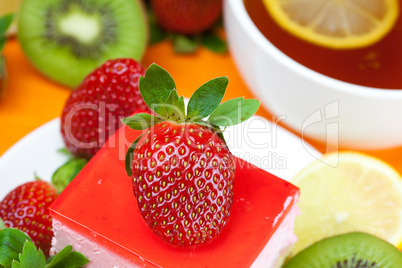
337 24
348 192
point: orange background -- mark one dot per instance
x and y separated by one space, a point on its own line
31 99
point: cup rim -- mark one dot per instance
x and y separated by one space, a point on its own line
251 29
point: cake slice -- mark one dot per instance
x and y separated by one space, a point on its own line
176 197
97 214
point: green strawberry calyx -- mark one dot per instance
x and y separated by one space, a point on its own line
188 44
158 90
5 22
67 172
18 251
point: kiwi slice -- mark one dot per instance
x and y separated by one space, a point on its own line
67 39
352 250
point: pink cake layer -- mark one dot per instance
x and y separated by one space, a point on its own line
103 257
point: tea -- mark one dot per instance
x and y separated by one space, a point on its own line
379 65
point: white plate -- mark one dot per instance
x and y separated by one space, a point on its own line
257 140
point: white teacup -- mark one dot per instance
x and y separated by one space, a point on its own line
315 105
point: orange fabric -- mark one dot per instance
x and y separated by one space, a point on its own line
31 99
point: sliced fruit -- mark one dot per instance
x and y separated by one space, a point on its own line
68 39
333 23
348 192
348 250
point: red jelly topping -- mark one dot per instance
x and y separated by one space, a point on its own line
100 205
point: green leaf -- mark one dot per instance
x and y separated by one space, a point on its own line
156 33
129 157
219 23
67 172
234 111
214 43
2 225
37 178
5 22
207 98
220 134
2 43
175 108
183 44
141 121
11 245
155 87
67 258
207 124
65 152
30 257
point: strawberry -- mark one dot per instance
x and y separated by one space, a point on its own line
184 184
182 170
187 16
27 208
93 111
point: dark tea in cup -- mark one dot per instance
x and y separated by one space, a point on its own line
378 65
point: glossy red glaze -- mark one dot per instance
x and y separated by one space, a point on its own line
100 205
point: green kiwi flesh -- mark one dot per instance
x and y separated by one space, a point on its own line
352 250
67 39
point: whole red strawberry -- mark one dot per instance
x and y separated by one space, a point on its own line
94 110
183 180
187 16
27 208
182 170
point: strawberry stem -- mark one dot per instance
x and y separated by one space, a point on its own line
158 90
